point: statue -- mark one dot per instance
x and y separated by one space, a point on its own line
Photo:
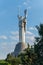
22 30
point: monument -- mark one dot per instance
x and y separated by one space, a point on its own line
22 30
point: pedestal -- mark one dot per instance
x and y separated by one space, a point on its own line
20 47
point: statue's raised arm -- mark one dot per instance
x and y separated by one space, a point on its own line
25 13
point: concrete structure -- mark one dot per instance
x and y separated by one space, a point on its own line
22 30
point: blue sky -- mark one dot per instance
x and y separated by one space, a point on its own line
9 22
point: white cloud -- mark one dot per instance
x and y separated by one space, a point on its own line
30 38
3 37
6 47
16 37
32 28
14 32
28 32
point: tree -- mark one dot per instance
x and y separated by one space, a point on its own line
39 46
28 57
13 60
40 30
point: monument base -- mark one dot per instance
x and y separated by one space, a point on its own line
19 48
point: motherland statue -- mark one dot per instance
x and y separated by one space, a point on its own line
22 30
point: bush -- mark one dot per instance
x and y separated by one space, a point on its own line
4 63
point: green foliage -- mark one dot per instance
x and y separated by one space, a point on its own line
28 57
13 60
40 29
39 46
2 62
